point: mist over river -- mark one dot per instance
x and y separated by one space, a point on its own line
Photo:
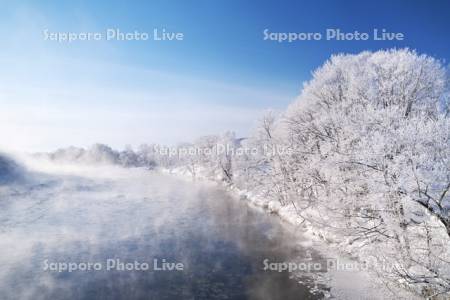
112 233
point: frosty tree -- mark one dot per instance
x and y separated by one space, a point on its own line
370 135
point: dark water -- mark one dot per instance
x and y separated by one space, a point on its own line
140 216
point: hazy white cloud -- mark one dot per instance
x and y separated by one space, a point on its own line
118 105
50 97
47 128
47 114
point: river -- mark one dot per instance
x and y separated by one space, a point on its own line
218 242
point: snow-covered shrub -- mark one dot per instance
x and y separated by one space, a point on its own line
100 154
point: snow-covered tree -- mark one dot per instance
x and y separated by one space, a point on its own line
370 138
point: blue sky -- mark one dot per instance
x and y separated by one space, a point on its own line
223 75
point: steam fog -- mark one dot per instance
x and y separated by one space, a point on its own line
82 214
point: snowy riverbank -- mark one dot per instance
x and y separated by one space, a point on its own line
353 279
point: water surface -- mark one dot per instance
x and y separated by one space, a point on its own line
137 215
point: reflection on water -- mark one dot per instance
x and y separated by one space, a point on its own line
140 216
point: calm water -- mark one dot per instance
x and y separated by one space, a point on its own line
139 216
